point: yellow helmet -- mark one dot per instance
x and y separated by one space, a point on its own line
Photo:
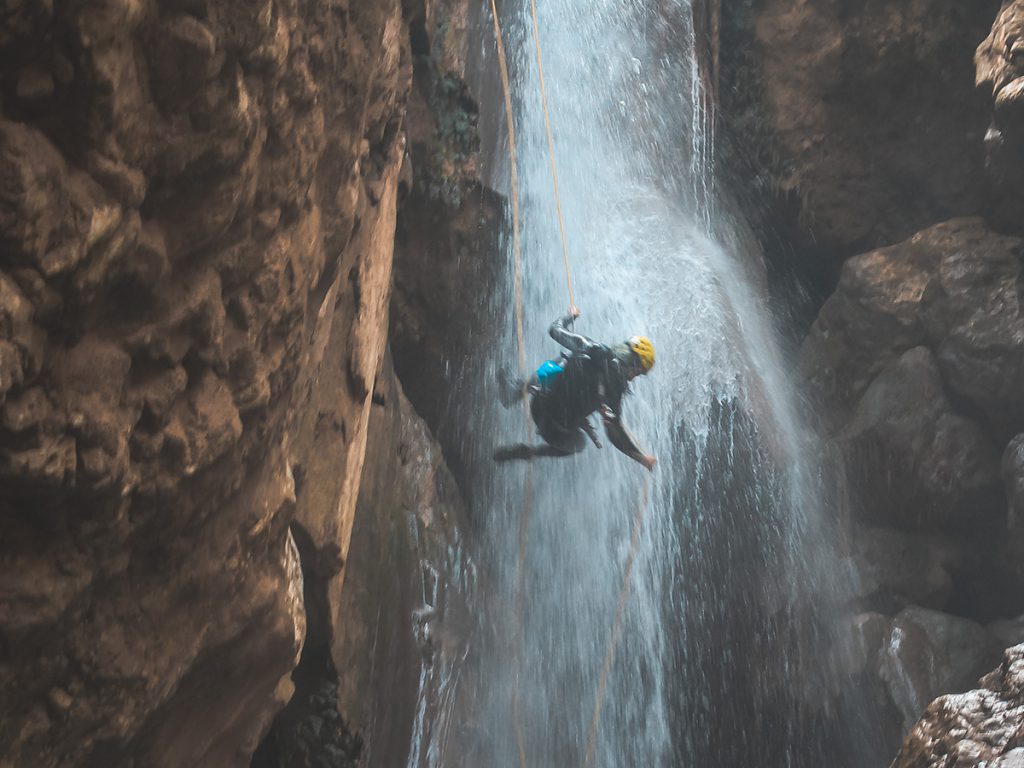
644 350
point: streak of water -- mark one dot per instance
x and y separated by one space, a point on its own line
729 644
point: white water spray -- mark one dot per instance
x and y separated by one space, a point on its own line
730 609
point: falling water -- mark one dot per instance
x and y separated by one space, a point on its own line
730 647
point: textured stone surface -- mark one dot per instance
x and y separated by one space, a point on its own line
447 251
951 286
405 609
915 459
414 586
973 318
927 653
898 569
999 64
872 110
915 360
197 212
980 727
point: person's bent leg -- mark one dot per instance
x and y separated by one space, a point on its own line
523 451
562 440
516 452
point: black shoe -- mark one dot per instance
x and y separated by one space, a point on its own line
511 389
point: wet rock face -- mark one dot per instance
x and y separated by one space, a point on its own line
197 213
871 108
898 569
414 587
448 258
952 287
921 460
917 357
926 653
1000 78
981 727
405 607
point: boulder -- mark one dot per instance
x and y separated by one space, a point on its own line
914 459
1008 632
898 569
973 320
928 653
952 287
999 70
980 727
871 319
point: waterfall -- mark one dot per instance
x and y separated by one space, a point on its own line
731 650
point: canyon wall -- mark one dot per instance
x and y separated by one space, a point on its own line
197 219
880 146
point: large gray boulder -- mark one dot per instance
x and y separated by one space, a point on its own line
951 287
980 727
898 569
871 319
973 320
915 459
927 653
999 63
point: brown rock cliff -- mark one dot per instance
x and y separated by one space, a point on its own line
197 212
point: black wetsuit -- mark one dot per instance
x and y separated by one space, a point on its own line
593 379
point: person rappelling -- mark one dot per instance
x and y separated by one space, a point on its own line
565 392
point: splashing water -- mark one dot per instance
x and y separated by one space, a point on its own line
729 652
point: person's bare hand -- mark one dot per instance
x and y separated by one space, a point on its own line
649 463
574 311
607 414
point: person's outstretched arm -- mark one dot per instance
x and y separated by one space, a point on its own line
619 436
574 342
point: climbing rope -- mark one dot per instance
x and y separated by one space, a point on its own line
514 196
524 518
551 150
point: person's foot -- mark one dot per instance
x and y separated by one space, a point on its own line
511 389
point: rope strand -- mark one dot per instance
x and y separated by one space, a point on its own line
524 518
551 152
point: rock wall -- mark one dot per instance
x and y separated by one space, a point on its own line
404 606
864 121
197 213
982 360
382 644
834 117
448 259
857 101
